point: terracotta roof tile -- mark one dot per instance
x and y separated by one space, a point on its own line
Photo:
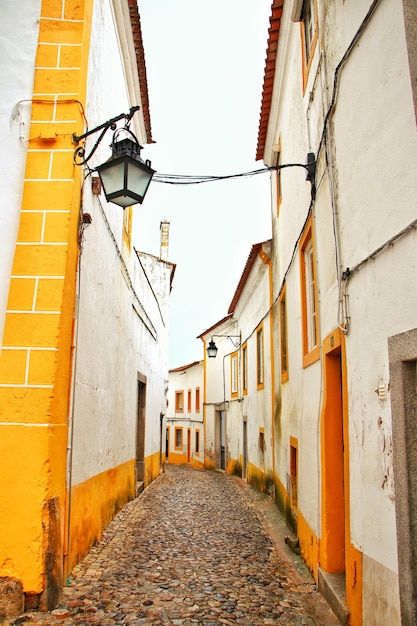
253 255
271 55
140 60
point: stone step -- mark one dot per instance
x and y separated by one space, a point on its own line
333 589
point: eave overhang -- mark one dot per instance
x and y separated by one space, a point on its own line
269 74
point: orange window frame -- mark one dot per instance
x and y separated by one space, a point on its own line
178 438
189 400
260 365
179 401
245 368
197 400
309 303
283 332
307 56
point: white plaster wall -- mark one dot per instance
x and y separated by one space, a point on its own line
377 145
19 28
113 343
298 400
373 144
252 310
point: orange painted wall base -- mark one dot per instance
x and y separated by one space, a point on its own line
93 505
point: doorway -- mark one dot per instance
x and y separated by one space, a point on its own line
245 448
188 445
334 462
220 439
403 386
167 444
140 429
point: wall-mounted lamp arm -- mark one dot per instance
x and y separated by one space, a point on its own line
212 348
79 158
236 344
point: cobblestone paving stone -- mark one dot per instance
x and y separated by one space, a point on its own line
192 549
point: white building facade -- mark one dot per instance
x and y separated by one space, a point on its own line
338 88
239 379
184 421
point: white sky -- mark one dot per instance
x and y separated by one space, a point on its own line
205 64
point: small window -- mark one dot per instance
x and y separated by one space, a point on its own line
261 440
197 400
283 335
233 374
179 401
309 298
308 25
178 438
189 400
245 368
197 442
260 358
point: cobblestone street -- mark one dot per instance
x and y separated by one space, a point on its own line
196 547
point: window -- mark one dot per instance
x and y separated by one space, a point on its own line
261 440
309 299
233 374
308 18
278 190
283 334
245 368
260 358
197 400
179 401
189 400
178 438
197 442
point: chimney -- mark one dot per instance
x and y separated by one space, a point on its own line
164 228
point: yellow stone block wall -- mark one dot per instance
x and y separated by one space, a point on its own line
35 359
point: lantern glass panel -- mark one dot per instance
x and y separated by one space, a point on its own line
138 179
113 177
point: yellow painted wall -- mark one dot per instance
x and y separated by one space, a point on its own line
259 479
309 544
35 358
93 505
95 502
152 467
177 458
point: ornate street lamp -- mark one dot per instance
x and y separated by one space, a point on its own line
125 177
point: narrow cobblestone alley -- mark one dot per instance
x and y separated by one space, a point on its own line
196 547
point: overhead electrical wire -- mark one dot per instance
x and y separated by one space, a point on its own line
178 179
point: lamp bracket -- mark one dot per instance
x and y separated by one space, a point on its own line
236 344
79 154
